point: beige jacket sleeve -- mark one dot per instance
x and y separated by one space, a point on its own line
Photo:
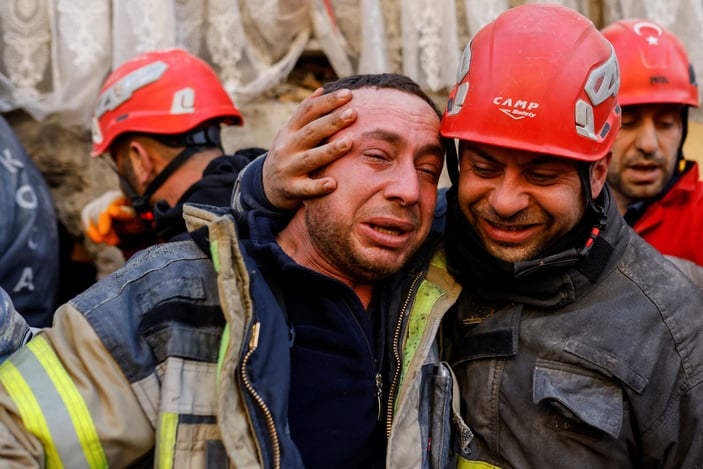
69 351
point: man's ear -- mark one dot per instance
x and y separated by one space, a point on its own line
142 163
599 174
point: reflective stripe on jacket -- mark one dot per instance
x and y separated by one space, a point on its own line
427 431
131 366
170 362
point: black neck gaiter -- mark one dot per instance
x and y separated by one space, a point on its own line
494 279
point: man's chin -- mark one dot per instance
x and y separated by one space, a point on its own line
639 191
375 268
511 253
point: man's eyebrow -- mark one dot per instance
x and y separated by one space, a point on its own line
479 152
382 135
543 159
665 110
431 148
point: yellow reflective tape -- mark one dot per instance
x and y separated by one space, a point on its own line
224 342
427 295
439 259
167 439
75 405
30 411
466 464
213 254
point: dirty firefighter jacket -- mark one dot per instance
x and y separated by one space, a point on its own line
103 387
427 429
14 330
423 425
581 366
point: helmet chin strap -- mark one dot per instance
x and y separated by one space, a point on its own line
680 162
141 202
584 172
575 254
452 160
195 142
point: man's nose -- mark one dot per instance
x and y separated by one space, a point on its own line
647 141
404 185
508 197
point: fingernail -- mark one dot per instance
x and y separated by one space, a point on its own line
343 94
342 144
347 114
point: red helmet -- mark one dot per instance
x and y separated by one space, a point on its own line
162 92
653 64
539 78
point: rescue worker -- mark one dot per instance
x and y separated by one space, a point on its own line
656 189
572 339
157 122
270 354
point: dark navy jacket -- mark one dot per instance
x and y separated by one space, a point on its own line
335 410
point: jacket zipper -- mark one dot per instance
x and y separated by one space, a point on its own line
379 395
378 378
396 356
253 344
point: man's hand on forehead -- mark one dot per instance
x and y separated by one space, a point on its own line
302 146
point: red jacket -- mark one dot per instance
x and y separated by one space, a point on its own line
674 224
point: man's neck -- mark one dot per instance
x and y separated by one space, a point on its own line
621 201
190 172
295 241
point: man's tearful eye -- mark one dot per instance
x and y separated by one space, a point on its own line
431 173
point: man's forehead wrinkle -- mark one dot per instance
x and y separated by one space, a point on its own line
396 138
